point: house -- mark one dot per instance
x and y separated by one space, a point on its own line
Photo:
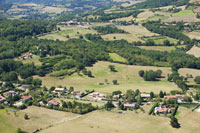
26 98
53 102
177 96
12 93
129 106
63 90
2 99
162 110
96 95
26 55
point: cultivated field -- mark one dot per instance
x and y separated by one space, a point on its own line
127 77
39 118
194 51
186 71
128 122
135 33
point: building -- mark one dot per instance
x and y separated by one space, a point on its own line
12 93
97 96
26 55
63 90
70 23
2 99
177 96
129 106
162 110
26 98
53 102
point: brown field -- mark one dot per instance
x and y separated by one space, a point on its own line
194 51
127 77
124 19
128 122
192 1
197 10
193 72
193 34
39 118
145 14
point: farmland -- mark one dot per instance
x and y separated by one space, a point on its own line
194 51
161 48
160 39
127 77
39 118
184 13
103 121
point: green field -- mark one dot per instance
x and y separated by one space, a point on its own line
116 58
127 76
160 39
184 13
5 125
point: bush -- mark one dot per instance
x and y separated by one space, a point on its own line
197 79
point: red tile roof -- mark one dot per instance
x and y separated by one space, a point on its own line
54 102
26 97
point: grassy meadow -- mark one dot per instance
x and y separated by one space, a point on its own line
129 122
127 76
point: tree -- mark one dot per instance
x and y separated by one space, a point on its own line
158 73
141 73
26 117
89 73
19 130
115 82
112 68
174 122
197 79
151 95
161 94
166 43
109 105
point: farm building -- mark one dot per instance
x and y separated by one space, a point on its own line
177 96
96 95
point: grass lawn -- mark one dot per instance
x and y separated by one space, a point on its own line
117 58
127 77
184 13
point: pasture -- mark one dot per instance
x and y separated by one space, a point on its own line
160 39
34 59
128 122
127 77
117 58
71 31
184 13
39 118
193 34
194 51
